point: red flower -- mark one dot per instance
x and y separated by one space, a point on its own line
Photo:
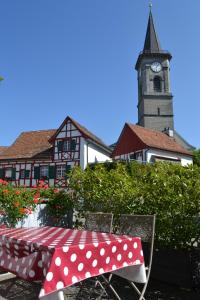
3 182
17 204
17 192
5 191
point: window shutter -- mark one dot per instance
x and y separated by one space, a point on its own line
36 172
60 146
73 145
1 173
68 169
13 176
51 172
27 174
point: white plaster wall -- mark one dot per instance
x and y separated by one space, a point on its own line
185 160
95 154
91 153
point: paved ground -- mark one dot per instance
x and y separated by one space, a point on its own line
17 289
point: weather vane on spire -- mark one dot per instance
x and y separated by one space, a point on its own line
150 5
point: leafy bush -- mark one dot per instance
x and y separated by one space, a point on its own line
170 191
196 157
15 203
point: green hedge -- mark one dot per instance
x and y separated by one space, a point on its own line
170 191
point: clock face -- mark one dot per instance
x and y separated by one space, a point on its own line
156 67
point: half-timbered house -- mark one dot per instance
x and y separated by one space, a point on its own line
50 154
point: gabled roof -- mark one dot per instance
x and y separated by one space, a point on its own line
134 138
28 144
85 132
151 44
39 143
2 148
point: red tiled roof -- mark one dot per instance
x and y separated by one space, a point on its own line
145 137
28 144
2 148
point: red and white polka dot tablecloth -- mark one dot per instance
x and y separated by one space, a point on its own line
61 257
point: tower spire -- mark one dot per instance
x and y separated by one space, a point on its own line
151 44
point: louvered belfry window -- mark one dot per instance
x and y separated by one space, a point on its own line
157 84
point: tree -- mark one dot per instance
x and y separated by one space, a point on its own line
196 157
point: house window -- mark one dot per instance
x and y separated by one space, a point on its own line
66 146
44 171
8 173
22 174
60 171
157 84
158 111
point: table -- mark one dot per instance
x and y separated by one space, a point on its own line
61 257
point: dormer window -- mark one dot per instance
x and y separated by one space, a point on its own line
157 84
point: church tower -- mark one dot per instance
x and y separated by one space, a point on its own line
155 100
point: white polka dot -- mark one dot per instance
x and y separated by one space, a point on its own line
65 249
114 267
141 253
81 246
44 272
114 249
119 240
119 257
30 262
16 258
40 263
108 242
58 261
130 255
10 266
80 267
23 260
107 260
59 285
24 271
96 244
7 245
125 264
17 268
66 271
88 254
101 271
94 263
102 251
87 275
16 247
74 279
2 262
125 247
49 276
73 257
137 262
135 245
32 273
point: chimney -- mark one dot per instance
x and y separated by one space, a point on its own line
169 132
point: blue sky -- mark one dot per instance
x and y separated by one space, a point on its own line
77 57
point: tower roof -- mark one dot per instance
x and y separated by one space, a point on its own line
151 44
